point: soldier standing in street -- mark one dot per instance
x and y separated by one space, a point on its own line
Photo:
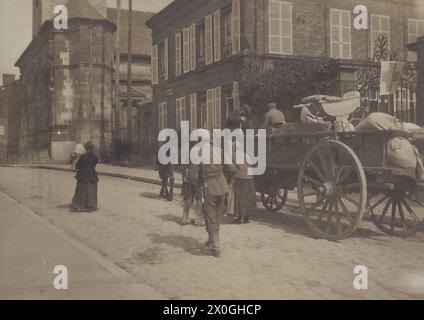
192 191
166 175
215 190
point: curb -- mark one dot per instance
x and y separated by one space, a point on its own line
100 173
115 175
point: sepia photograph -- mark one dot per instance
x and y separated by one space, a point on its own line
235 151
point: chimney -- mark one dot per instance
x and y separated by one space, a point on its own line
8 79
418 47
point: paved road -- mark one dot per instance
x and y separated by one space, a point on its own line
30 250
272 258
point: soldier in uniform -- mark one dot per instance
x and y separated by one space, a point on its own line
166 175
192 191
215 190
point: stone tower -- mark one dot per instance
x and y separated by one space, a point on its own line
43 10
68 78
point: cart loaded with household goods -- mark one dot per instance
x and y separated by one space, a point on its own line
344 173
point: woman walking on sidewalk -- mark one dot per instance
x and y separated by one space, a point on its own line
85 198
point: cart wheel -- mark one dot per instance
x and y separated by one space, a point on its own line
396 213
332 190
274 199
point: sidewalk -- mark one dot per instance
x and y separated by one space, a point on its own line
136 174
30 249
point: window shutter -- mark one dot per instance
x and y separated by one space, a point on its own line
163 116
340 34
217 35
236 26
210 101
186 50
178 113
178 54
193 47
165 59
280 16
209 39
217 107
193 111
236 95
183 109
155 71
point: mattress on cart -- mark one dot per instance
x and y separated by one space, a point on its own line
380 121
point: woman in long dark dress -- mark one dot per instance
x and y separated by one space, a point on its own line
85 198
244 194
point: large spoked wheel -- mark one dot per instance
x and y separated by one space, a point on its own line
332 190
396 212
274 198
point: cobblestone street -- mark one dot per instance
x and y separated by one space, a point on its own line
274 257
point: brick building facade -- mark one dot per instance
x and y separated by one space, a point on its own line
201 49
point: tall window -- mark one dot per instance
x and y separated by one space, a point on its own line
209 39
193 111
155 65
193 47
186 50
163 60
202 100
189 48
213 97
181 111
280 27
228 27
236 26
415 30
201 37
380 25
340 34
217 35
163 116
178 55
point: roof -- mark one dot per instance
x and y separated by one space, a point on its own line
174 5
142 37
77 9
82 9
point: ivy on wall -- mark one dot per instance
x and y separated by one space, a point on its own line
284 81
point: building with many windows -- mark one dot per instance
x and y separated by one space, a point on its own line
209 57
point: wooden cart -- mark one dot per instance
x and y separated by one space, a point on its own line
339 178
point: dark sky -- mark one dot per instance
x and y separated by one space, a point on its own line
16 27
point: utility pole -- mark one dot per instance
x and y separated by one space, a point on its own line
129 88
117 103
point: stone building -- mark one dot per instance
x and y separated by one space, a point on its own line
67 79
211 56
10 102
67 75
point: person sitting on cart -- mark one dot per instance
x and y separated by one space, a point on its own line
274 117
